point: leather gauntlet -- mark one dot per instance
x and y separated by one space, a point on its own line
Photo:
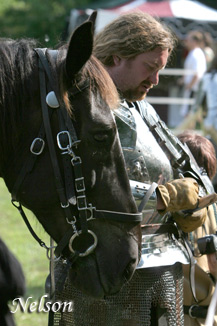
178 194
180 197
191 222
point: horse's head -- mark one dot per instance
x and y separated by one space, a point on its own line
78 186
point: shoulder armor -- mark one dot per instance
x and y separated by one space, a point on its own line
179 155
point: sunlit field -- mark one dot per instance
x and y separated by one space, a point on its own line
31 256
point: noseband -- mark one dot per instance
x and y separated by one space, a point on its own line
71 190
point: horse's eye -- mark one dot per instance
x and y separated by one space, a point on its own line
100 137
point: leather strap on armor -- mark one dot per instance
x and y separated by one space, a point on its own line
179 154
196 311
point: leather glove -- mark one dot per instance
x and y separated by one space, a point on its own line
176 195
191 222
180 197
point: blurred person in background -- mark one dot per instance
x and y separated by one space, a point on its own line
195 61
208 49
206 266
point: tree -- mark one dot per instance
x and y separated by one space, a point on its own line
44 20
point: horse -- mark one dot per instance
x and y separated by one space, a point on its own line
61 158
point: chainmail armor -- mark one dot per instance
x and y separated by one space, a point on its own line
157 287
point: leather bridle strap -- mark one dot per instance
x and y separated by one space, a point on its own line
81 199
28 165
35 149
117 216
49 136
65 124
22 213
99 214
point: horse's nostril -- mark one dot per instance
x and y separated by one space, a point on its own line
128 272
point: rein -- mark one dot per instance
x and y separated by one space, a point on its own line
71 190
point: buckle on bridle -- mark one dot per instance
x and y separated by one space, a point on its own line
65 144
64 140
79 184
37 146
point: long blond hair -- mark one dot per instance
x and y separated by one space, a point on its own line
132 34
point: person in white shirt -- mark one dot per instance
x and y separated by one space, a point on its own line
195 61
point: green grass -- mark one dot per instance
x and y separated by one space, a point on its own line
31 256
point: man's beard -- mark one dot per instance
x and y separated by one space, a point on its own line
133 95
136 94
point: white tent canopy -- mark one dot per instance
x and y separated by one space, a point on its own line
173 11
193 10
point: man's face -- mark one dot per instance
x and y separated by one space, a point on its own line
134 77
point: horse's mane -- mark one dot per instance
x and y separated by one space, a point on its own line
17 66
100 79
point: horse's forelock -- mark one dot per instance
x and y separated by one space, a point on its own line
99 81
100 78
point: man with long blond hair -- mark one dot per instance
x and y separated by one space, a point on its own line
134 48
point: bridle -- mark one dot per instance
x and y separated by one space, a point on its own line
71 190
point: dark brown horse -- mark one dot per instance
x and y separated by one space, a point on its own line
95 215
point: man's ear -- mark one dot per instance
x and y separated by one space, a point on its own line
116 60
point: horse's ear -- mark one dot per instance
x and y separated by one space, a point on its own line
92 19
79 49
